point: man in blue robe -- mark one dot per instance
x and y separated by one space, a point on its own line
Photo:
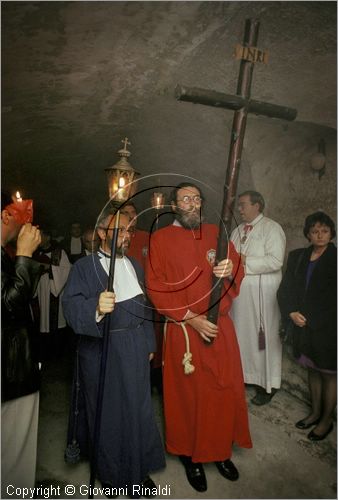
129 446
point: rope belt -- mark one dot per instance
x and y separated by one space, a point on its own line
187 358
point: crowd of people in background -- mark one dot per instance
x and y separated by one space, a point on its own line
54 290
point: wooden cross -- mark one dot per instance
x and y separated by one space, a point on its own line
242 104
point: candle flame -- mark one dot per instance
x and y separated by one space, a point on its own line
121 182
18 196
157 200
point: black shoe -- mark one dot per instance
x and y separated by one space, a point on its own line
316 437
302 425
195 473
228 470
262 397
148 486
108 490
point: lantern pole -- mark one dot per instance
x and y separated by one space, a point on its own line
121 194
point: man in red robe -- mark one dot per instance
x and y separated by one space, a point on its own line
204 397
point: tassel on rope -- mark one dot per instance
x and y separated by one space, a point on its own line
261 340
187 358
261 332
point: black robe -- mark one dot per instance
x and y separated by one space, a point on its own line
130 445
317 302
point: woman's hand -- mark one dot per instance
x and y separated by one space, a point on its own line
298 319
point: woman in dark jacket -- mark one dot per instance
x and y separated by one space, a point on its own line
307 297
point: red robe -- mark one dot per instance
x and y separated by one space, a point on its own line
206 411
139 246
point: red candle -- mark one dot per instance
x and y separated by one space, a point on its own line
21 210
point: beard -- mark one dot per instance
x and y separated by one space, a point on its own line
189 219
121 249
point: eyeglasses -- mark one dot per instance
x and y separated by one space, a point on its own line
188 199
122 230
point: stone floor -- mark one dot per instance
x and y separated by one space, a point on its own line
283 463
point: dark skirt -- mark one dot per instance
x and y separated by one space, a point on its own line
319 346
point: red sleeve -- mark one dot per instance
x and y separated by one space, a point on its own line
167 300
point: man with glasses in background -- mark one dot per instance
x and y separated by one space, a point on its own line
204 399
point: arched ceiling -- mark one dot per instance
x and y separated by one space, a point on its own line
77 77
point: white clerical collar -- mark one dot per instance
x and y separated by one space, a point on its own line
126 285
255 221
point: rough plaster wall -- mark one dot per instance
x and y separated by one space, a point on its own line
77 77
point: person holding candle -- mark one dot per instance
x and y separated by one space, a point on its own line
19 368
130 446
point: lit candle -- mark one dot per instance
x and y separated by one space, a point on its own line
18 196
120 192
157 200
21 210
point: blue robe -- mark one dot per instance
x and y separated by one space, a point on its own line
130 445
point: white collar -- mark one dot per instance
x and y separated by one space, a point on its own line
126 285
255 221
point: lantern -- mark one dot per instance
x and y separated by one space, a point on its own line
157 200
121 177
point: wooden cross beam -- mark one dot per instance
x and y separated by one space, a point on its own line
234 102
242 104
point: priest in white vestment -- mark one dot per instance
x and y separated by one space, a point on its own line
255 312
49 292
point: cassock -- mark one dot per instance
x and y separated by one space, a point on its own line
256 306
205 411
130 445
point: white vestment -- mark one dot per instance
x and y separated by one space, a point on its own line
264 248
55 286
